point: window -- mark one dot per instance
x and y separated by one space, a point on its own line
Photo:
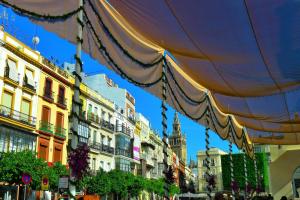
57 154
101 164
28 78
11 70
204 163
48 88
83 132
109 118
45 114
25 110
103 115
61 95
7 102
94 164
108 166
90 108
96 111
213 162
95 136
60 120
109 142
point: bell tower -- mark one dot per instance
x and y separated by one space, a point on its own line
177 140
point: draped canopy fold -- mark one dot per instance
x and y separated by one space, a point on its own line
240 60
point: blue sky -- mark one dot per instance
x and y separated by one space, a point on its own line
52 46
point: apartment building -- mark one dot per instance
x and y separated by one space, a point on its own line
19 78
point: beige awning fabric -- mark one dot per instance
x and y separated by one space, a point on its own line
239 59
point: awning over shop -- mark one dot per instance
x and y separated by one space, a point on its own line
238 59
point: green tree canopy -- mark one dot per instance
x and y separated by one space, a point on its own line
14 164
238 163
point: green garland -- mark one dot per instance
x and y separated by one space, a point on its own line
108 32
110 60
37 16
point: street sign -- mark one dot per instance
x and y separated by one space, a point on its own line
45 183
63 182
26 178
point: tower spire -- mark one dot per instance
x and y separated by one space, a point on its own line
176 125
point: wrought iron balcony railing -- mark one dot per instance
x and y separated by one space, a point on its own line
46 127
107 125
93 117
107 149
60 131
16 115
123 129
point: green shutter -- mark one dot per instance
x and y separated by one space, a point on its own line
25 107
7 100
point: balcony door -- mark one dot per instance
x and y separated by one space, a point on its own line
25 110
46 115
7 103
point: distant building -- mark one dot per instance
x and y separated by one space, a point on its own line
215 166
177 140
125 119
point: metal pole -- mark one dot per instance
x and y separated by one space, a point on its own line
25 192
76 99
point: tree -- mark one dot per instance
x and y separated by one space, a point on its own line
118 180
174 189
191 187
99 184
14 164
170 178
54 173
182 183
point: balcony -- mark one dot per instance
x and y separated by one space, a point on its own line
48 95
123 152
148 159
107 149
60 132
46 127
16 115
93 117
95 145
61 101
131 119
27 85
107 125
123 129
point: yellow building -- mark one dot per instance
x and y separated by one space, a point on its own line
284 166
54 86
19 73
215 166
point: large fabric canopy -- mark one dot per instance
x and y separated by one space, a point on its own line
236 61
